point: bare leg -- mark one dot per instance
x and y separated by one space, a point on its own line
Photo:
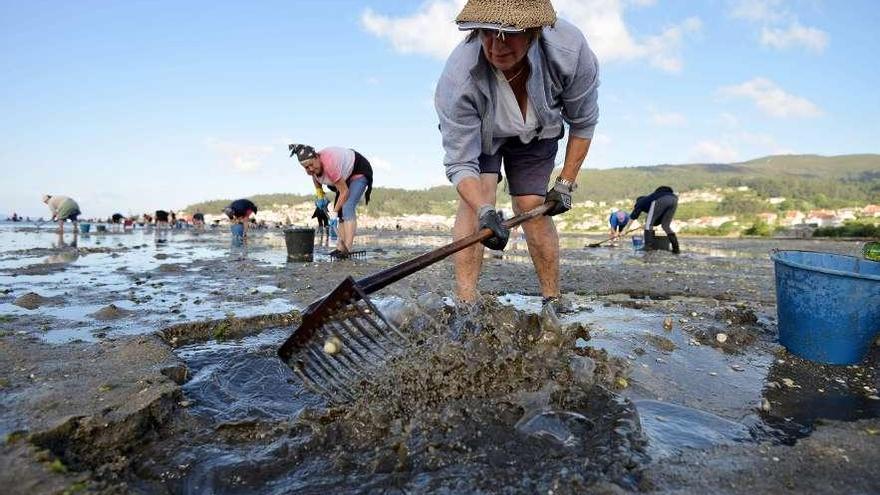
346 235
61 227
543 243
469 260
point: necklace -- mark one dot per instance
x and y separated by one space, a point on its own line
515 75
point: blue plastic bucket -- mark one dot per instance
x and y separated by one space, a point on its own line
828 305
638 242
85 228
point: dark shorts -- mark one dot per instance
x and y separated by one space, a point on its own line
161 216
526 166
73 217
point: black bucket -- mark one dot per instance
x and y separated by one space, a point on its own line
661 243
300 243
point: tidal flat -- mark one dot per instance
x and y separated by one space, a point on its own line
131 366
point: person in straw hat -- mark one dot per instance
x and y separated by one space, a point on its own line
503 98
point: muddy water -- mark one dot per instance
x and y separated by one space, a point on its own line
122 284
498 406
467 414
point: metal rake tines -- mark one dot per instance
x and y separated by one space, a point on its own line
342 343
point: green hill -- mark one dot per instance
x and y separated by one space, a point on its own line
807 181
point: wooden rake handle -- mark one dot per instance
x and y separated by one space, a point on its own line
631 229
388 276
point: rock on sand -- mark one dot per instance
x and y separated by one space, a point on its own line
110 312
31 300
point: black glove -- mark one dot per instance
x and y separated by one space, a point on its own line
489 219
560 195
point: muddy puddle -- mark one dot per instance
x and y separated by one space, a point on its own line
498 406
693 392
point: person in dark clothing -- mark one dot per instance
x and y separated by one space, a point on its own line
161 217
660 207
198 220
161 220
239 212
116 221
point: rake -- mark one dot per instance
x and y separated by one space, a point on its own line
597 244
343 338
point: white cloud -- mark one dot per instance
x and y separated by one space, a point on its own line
760 143
771 99
379 163
730 147
780 26
814 40
432 31
713 152
601 139
728 119
667 119
241 157
758 10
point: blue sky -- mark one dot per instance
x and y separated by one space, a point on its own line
133 106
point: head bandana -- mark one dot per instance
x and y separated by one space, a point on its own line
303 152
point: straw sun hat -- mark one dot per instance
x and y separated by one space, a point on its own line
506 15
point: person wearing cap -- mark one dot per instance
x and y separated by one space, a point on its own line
345 172
660 207
503 99
618 222
63 208
239 213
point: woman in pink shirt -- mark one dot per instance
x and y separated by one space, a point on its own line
345 172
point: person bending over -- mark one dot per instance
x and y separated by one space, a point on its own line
660 207
345 172
239 213
502 100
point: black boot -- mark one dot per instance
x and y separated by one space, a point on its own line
673 239
649 240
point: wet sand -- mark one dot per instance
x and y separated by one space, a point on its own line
144 367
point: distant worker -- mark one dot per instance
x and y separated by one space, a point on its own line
199 220
116 222
618 222
63 209
347 173
321 212
660 207
239 213
161 220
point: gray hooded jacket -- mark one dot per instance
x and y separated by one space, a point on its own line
562 87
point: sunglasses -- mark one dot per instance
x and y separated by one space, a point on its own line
501 35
